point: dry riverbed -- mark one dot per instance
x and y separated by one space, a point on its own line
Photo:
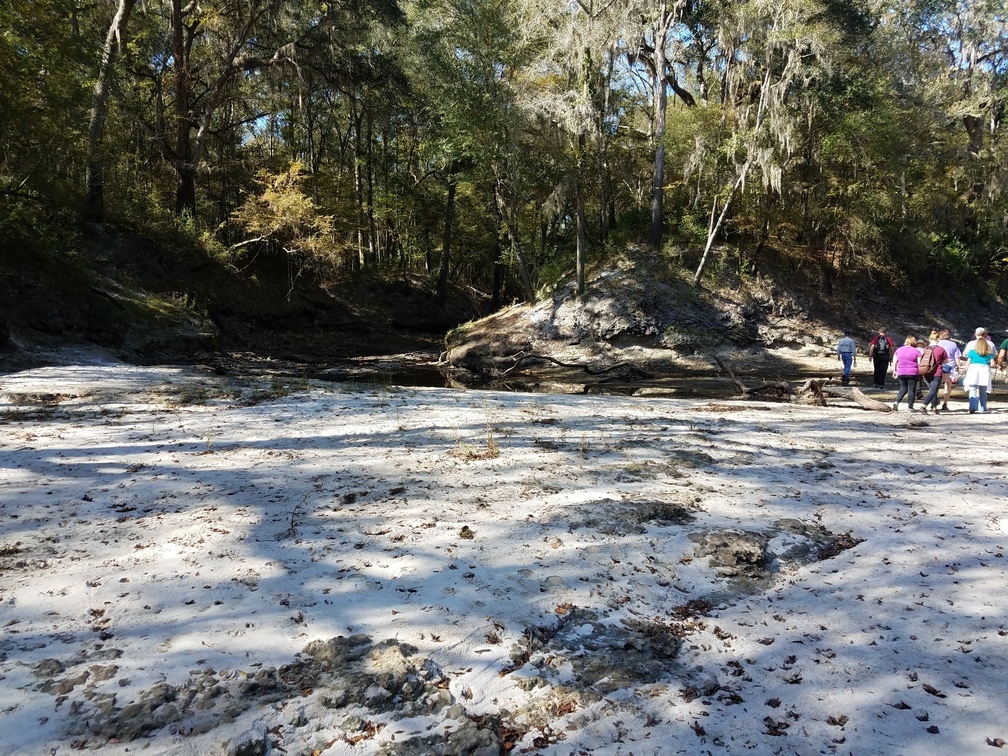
197 564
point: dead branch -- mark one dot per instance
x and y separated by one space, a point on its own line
782 388
522 359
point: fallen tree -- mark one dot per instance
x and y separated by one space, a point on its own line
522 359
812 391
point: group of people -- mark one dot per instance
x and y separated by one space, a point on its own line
934 366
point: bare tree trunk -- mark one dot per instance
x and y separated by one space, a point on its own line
602 149
715 228
660 105
509 212
94 203
441 293
372 229
358 188
498 265
185 169
579 285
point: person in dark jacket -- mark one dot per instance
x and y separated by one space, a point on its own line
880 352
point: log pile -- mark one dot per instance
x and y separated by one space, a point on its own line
812 391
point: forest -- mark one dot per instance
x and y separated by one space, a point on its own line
505 144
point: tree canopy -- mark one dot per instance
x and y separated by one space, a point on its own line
500 143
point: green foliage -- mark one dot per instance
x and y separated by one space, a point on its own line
43 95
282 215
335 129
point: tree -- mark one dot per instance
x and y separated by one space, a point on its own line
577 43
94 202
771 52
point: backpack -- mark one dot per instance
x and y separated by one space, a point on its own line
926 363
882 345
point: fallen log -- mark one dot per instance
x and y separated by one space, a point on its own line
812 391
858 397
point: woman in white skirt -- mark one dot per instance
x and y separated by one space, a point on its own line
977 378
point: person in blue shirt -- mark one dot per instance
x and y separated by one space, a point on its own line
977 380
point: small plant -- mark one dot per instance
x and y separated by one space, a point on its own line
10 549
470 452
292 530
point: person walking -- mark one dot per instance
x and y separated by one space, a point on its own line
880 352
930 367
847 352
979 333
977 379
906 371
950 370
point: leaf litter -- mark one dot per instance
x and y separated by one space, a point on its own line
318 571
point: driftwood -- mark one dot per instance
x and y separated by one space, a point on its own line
811 391
859 397
783 389
522 359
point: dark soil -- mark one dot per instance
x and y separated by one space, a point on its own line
142 303
640 324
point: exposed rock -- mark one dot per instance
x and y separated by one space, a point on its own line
734 553
342 671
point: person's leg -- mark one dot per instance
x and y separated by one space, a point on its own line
848 360
983 398
946 389
931 400
911 391
881 368
974 398
903 386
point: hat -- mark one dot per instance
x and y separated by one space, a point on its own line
980 332
846 332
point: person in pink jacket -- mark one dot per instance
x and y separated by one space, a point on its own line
906 371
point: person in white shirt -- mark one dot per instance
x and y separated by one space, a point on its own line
950 370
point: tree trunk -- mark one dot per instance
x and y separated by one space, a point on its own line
94 202
372 228
358 181
441 293
509 211
715 228
498 264
185 191
579 285
660 105
185 169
